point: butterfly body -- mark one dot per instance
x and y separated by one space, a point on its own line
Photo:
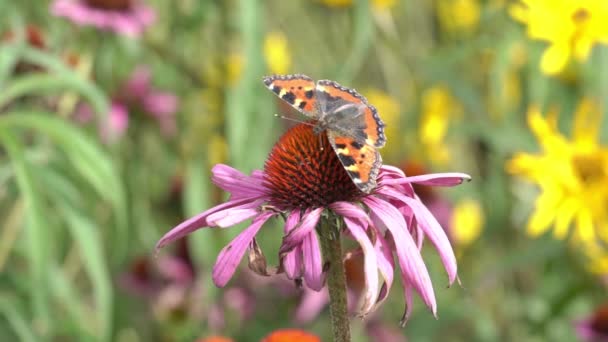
353 126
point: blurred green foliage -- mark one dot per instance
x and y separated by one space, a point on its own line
79 213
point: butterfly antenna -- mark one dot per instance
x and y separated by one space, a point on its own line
294 120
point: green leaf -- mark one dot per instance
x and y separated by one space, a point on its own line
36 232
196 200
87 237
68 295
53 83
9 56
59 77
362 41
16 320
85 154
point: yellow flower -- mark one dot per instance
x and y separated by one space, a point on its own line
438 108
597 255
276 52
457 16
572 175
234 67
376 4
571 27
217 150
466 222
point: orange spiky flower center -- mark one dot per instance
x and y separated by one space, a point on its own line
110 5
303 171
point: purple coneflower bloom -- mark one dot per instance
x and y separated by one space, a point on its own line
126 17
595 327
136 94
302 180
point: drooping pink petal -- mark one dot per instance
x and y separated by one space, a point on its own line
409 303
433 179
346 209
313 262
295 236
292 261
392 170
236 183
231 255
432 230
413 269
386 266
200 221
370 263
228 218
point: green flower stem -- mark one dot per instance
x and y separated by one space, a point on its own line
329 230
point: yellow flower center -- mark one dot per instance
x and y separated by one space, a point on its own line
580 16
590 167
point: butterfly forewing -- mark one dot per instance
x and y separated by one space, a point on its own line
297 90
369 126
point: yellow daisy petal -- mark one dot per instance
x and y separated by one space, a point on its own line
554 59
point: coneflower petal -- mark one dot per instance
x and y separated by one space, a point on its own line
237 183
296 236
200 220
433 179
386 265
292 261
313 272
346 209
432 229
357 229
227 218
409 303
231 255
413 269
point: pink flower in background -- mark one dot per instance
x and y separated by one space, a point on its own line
125 17
136 94
116 124
301 192
595 327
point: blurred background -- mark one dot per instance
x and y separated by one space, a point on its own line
112 113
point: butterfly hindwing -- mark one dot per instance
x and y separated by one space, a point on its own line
361 161
297 90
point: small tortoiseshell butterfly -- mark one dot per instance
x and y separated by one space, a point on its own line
353 126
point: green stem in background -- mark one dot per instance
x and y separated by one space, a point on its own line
329 229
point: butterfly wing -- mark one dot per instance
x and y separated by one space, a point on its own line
297 90
361 161
349 113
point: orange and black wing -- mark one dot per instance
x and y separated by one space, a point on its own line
361 161
369 128
297 90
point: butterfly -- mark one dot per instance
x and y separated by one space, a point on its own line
353 126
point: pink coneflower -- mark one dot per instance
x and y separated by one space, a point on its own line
303 179
139 93
595 327
136 95
126 17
